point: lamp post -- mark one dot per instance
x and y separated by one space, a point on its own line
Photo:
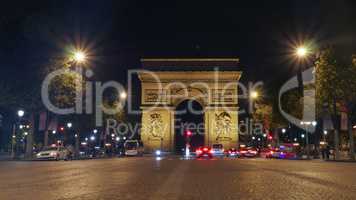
253 97
20 114
301 52
325 133
306 124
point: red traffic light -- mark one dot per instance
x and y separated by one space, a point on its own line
270 137
189 133
61 128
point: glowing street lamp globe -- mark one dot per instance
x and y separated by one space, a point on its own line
123 95
79 56
20 113
254 95
301 52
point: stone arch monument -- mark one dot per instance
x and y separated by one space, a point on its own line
167 82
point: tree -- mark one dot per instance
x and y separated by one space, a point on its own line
335 89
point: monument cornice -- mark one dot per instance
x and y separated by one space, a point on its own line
191 76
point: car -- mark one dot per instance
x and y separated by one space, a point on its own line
287 155
248 152
287 151
53 153
204 152
218 150
273 153
133 148
232 152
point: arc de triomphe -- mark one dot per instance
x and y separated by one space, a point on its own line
171 81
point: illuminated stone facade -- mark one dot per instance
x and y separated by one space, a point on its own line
215 90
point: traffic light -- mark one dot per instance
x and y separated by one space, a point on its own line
188 133
270 137
61 128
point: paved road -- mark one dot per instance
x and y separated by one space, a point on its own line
173 178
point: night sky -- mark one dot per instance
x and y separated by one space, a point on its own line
120 32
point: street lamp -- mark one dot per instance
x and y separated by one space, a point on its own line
254 95
79 56
301 51
306 124
123 95
20 113
69 125
284 130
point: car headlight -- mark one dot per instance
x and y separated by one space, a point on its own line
158 152
39 154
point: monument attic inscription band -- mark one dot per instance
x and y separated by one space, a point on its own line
213 83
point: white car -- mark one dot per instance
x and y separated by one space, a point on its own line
53 153
133 148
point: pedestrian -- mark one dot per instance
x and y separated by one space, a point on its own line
323 152
327 150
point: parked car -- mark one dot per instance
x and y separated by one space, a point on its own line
54 153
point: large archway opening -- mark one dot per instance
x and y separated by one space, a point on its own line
189 125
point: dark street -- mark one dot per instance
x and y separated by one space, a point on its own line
174 178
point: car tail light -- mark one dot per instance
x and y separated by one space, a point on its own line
243 151
230 152
198 151
211 151
271 152
205 149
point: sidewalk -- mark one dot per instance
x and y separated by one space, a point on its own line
344 157
5 157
